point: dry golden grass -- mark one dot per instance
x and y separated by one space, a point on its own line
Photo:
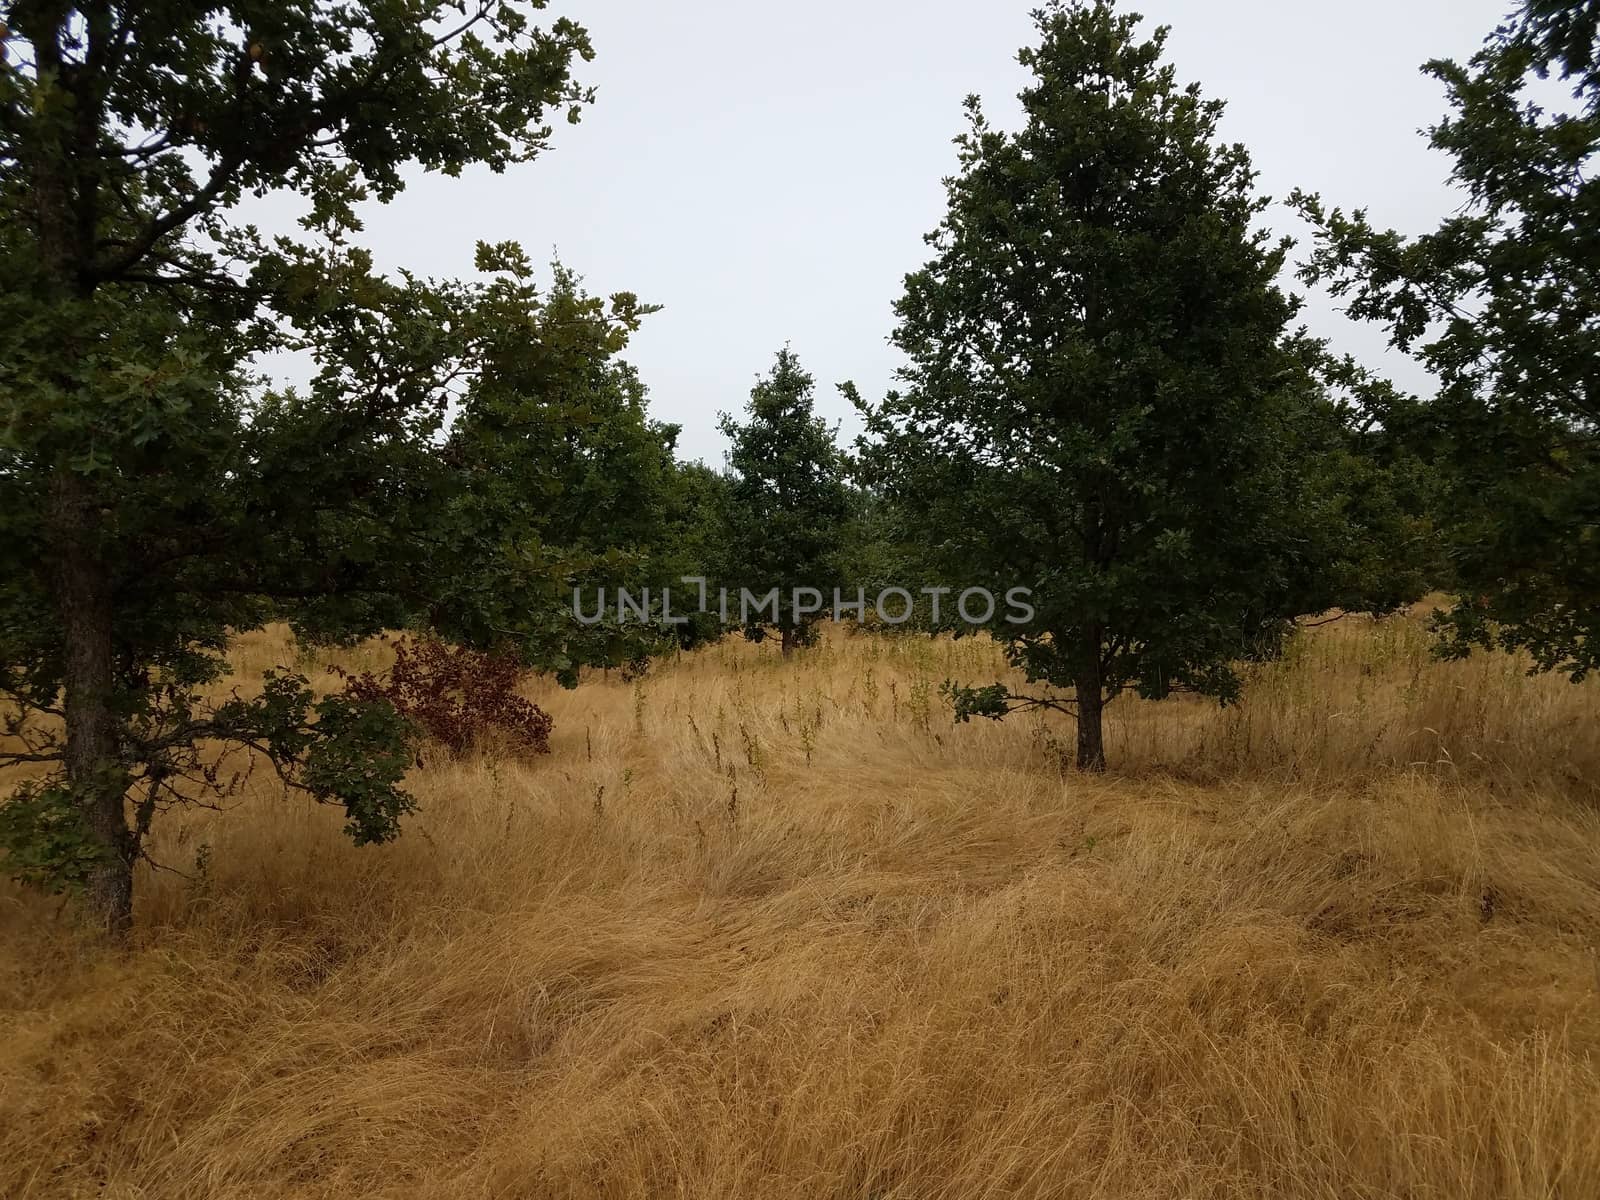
759 929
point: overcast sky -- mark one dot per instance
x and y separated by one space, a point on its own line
767 172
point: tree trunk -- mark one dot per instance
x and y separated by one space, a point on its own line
1091 709
791 639
94 770
65 207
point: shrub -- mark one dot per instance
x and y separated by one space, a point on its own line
456 695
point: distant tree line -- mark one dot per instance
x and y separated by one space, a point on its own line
1108 398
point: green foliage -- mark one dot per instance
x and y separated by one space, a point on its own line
556 478
992 700
787 503
1564 34
156 498
45 839
1106 401
346 749
360 753
1501 304
694 522
881 548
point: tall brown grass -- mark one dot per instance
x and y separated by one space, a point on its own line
779 929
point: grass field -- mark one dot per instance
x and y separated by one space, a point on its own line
779 929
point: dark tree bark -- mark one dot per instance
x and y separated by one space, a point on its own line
93 765
1091 708
64 209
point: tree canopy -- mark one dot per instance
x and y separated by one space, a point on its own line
1106 399
1502 305
787 499
157 498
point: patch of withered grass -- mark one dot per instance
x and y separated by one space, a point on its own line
780 930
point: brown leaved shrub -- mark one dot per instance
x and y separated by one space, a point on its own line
456 695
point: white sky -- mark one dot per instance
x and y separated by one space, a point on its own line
767 173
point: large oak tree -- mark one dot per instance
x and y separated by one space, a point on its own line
1502 303
1106 400
155 497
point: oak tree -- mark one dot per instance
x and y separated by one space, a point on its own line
1106 400
1502 303
156 497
